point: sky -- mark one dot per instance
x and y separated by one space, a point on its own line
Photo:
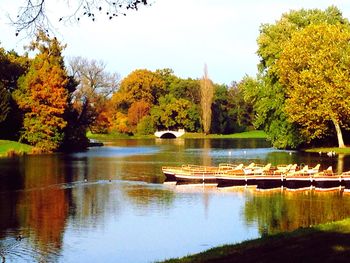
183 35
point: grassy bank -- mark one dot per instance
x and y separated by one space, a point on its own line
242 135
11 147
324 243
326 150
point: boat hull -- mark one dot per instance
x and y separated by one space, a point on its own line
227 181
327 182
195 179
268 181
298 182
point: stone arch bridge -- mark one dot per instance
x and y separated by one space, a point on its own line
168 134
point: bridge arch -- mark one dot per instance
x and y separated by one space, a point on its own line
169 134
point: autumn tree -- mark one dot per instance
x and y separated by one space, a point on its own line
314 67
207 93
42 95
270 95
136 112
139 85
95 86
4 103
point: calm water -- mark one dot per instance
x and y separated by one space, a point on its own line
110 204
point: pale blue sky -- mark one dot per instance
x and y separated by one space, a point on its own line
177 34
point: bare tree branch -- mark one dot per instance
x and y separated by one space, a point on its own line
33 16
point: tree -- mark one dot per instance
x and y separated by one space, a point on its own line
268 100
175 113
33 15
207 93
240 112
12 66
43 96
4 103
95 86
314 67
270 95
137 111
139 85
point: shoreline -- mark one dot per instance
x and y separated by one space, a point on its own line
329 242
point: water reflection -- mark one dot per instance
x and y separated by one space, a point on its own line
283 210
110 204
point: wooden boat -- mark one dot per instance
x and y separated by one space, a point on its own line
345 177
302 178
233 177
242 175
271 177
327 179
196 175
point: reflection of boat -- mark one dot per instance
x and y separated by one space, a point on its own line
326 179
302 178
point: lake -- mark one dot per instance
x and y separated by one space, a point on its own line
110 204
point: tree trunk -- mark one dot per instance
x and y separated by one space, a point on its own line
339 133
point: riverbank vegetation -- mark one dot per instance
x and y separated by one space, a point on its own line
11 148
323 243
299 97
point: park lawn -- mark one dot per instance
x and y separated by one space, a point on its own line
241 135
323 243
6 146
189 135
337 150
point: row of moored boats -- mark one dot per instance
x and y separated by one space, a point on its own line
263 176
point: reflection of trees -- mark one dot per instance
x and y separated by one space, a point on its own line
145 197
43 208
93 203
11 180
285 211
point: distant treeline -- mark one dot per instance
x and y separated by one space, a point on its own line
299 97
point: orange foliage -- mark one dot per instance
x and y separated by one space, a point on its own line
137 111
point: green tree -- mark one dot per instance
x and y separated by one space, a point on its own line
12 66
270 95
43 96
314 67
240 112
268 101
172 113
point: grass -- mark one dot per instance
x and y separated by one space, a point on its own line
330 149
242 135
13 148
323 243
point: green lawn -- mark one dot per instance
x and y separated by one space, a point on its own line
6 146
323 243
326 150
242 135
